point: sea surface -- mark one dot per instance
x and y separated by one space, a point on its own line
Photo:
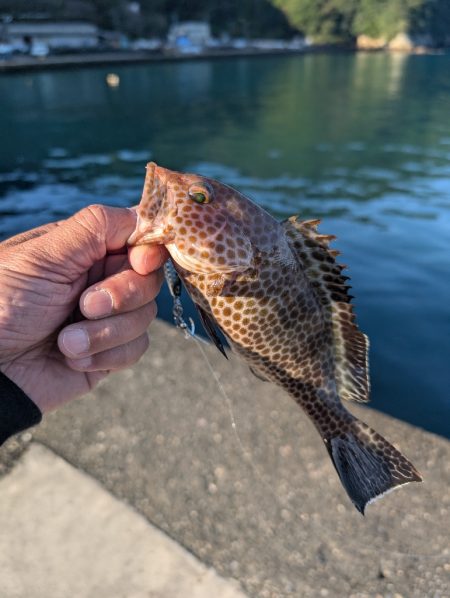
361 141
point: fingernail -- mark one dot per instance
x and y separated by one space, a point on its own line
75 341
97 304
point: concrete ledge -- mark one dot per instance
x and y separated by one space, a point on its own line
263 505
73 61
63 535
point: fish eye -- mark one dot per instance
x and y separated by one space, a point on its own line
200 193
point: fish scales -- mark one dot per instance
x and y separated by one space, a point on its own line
276 292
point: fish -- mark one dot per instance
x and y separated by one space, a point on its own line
277 293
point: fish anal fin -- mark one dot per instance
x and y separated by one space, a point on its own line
210 329
330 286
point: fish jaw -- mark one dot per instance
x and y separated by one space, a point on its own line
190 263
152 226
148 233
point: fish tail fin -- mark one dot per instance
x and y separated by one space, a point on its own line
367 464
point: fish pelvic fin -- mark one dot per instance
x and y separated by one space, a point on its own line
367 464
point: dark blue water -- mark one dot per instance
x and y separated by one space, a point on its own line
361 141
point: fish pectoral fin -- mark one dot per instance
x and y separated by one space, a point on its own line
257 374
210 329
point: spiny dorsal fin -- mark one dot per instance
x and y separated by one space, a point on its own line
312 224
325 275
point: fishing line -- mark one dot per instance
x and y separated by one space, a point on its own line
228 402
174 284
248 458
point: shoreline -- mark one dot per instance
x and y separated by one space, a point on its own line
21 64
72 61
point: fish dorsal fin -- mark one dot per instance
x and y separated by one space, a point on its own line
325 276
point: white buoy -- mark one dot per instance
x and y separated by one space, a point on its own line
113 80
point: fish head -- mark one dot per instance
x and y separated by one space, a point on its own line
203 223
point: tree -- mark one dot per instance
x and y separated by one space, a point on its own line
323 20
332 20
384 18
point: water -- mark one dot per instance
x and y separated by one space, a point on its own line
361 141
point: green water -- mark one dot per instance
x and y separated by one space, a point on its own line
361 141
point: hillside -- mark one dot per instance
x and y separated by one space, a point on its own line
345 20
324 21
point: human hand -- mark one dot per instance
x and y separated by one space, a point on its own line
73 305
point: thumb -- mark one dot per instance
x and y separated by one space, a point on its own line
71 248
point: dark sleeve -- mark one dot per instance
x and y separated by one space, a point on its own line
17 411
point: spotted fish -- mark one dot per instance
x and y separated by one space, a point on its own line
277 293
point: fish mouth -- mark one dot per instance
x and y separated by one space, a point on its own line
146 234
149 230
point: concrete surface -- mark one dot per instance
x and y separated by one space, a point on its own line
63 535
260 501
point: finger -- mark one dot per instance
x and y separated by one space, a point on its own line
94 336
96 272
116 263
123 292
112 359
146 258
107 266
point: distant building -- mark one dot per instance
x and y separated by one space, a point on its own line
191 33
54 34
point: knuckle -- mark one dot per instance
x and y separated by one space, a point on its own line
129 293
136 291
80 364
122 329
92 219
107 334
97 212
